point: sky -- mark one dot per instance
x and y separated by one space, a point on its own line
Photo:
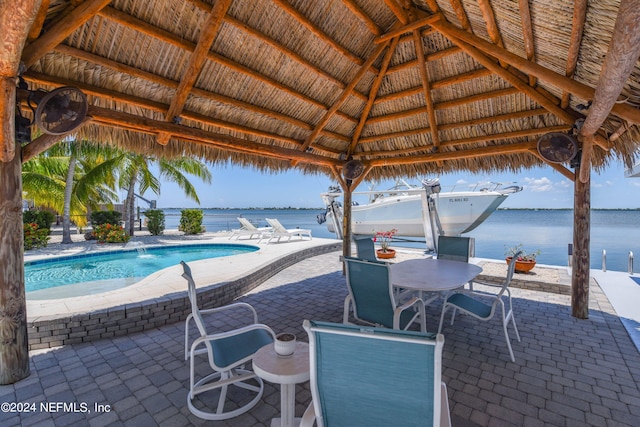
239 187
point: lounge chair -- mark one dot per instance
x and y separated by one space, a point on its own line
228 352
278 232
248 229
363 376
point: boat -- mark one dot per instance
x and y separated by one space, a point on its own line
415 211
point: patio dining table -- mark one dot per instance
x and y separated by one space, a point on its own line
432 275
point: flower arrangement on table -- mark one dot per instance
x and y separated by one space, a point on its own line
385 238
525 261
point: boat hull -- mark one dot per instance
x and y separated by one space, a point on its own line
459 212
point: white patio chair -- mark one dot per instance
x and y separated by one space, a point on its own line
483 305
227 352
278 231
248 229
373 298
364 376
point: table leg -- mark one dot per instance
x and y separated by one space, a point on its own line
287 407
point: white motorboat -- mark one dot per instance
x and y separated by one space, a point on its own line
417 211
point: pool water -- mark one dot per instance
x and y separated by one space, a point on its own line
101 272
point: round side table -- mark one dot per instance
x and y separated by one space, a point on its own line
286 371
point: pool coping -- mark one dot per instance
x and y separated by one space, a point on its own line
161 298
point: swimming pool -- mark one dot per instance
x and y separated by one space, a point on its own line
88 274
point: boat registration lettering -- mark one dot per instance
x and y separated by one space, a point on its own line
459 199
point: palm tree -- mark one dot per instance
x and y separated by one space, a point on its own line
135 171
72 177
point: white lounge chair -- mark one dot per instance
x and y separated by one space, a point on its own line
248 229
278 232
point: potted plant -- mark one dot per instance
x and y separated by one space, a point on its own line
385 237
526 260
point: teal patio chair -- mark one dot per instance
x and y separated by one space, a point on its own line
372 297
227 352
484 305
365 376
454 248
365 247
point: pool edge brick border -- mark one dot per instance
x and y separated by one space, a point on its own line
53 331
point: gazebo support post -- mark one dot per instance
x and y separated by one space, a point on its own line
15 20
14 343
581 240
346 220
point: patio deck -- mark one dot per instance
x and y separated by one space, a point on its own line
567 371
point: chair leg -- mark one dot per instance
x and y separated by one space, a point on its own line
345 314
444 311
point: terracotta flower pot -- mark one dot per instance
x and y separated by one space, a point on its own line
522 266
389 253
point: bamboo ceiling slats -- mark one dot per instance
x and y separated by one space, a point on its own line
314 82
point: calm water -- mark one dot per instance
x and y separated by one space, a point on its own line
120 268
617 232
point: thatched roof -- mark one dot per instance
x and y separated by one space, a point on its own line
431 87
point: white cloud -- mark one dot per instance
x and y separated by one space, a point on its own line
538 185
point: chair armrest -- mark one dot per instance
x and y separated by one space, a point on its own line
412 301
231 306
309 416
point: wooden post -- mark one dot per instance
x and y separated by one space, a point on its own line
581 240
346 220
16 18
14 350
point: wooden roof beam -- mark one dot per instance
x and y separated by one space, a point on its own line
109 117
398 11
474 140
492 26
574 87
445 104
457 125
430 57
345 94
458 9
154 78
284 5
55 35
208 33
527 36
143 27
372 96
460 78
424 76
406 29
357 11
564 171
160 107
577 28
36 27
621 59
289 53
494 150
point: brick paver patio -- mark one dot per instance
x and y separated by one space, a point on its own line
568 372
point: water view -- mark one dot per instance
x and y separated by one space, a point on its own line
615 231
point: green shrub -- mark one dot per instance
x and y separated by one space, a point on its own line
191 221
44 219
34 236
155 221
109 233
105 217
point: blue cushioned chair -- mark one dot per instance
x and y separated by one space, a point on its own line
365 247
227 352
372 296
483 305
453 248
365 376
